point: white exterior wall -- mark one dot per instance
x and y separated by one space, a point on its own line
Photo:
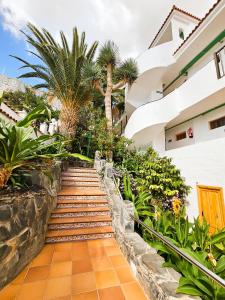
201 130
203 164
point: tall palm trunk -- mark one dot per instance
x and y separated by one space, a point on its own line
68 117
108 100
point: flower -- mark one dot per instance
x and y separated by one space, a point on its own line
212 259
176 205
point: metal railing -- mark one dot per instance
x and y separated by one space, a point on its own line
177 250
187 257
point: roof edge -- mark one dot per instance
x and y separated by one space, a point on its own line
168 16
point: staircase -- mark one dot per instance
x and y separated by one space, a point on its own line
82 211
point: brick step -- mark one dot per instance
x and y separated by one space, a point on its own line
79 225
81 170
82 213
78 232
70 191
80 179
81 201
79 205
80 220
77 174
79 209
84 237
81 198
81 184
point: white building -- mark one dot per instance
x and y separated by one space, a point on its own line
177 104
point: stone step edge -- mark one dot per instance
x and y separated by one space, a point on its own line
108 219
79 238
72 201
81 210
95 231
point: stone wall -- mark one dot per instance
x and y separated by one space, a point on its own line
23 224
159 283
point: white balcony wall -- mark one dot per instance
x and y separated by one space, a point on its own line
191 95
152 64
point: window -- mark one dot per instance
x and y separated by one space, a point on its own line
181 33
181 136
220 62
217 123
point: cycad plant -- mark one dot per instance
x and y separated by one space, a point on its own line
61 71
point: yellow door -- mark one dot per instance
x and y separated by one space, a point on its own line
211 206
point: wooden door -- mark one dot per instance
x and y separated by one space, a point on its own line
211 206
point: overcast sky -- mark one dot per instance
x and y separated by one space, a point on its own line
130 23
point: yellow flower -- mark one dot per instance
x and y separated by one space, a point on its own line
176 205
212 259
157 215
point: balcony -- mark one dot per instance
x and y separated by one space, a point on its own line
192 97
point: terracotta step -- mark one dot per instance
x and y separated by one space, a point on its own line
80 179
79 174
81 192
77 232
81 184
78 197
81 201
79 209
82 170
71 238
80 220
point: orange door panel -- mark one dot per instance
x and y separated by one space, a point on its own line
211 206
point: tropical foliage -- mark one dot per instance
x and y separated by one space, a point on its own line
61 70
110 74
21 150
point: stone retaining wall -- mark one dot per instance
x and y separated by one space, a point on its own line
158 282
23 224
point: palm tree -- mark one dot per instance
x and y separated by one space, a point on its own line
109 66
61 71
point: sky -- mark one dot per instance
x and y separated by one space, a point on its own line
131 24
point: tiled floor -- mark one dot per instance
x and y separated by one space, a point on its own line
89 270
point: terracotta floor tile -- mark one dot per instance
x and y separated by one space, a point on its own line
79 254
87 296
82 266
9 292
109 242
60 269
94 243
112 250
61 256
33 290
84 282
118 261
63 246
41 260
125 275
133 291
20 277
101 263
58 287
76 246
37 274
107 278
112 293
63 298
97 252
48 249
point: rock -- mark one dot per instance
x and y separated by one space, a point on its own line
4 234
4 251
5 213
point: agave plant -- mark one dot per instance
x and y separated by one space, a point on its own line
61 70
19 150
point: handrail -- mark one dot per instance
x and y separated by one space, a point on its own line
187 257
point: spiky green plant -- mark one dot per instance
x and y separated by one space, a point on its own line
61 71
